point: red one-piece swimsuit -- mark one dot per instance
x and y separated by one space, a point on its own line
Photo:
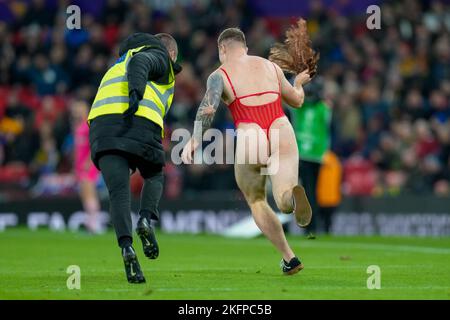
263 115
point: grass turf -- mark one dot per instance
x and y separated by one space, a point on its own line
33 266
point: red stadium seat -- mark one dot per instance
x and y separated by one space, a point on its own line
4 94
28 97
359 177
13 173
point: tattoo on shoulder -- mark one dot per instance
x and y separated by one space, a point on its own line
208 107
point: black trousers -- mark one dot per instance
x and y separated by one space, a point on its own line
309 174
115 167
326 214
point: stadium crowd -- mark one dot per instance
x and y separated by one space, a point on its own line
389 88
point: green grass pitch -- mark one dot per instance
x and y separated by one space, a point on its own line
33 266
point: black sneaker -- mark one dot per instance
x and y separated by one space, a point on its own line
132 267
147 235
291 267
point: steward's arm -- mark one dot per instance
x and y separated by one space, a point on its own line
144 66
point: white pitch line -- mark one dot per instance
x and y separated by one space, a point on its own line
388 247
357 245
351 245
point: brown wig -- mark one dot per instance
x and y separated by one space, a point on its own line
295 54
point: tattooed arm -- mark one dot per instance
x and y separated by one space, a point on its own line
208 107
205 114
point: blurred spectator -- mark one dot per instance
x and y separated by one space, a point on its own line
329 188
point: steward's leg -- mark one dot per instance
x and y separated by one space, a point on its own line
150 195
116 173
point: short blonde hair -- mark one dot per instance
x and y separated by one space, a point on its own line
234 34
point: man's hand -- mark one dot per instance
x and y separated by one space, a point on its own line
302 78
188 150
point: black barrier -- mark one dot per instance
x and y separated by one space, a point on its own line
226 309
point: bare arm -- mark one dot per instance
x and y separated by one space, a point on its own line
293 95
208 107
205 114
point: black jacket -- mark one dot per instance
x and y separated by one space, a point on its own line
139 136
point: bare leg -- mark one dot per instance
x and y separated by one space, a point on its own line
284 157
252 185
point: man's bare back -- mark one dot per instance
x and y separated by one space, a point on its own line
250 74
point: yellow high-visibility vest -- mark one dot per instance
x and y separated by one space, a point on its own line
112 95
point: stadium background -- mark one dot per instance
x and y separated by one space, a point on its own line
390 91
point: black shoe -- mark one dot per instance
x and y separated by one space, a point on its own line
132 267
147 235
291 267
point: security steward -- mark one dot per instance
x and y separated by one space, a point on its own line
126 128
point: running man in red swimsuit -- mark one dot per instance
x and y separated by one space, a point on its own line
253 87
